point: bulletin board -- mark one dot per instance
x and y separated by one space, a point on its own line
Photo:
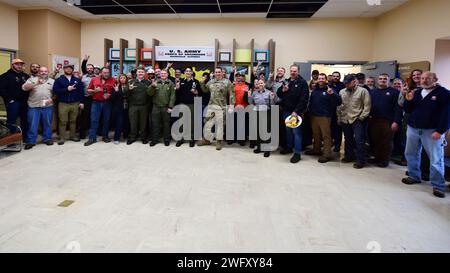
58 61
5 61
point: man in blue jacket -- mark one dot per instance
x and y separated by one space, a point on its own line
294 95
427 124
384 120
322 106
70 92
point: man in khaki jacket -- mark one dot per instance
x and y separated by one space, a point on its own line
352 115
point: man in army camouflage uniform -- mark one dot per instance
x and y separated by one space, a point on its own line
221 89
138 100
163 93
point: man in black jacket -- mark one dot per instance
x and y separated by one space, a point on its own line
294 95
14 97
186 90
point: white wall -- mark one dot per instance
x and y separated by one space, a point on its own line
442 62
296 40
408 33
9 27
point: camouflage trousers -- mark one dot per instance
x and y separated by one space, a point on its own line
214 117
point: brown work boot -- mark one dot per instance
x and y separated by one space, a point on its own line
325 159
203 142
219 145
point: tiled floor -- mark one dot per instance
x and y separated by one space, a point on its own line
167 199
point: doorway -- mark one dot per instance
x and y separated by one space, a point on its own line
344 69
442 61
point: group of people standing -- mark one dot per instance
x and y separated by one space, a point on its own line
372 114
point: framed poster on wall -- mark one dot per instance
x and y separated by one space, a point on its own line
225 57
128 66
146 54
115 69
261 55
114 54
244 69
59 61
130 54
243 55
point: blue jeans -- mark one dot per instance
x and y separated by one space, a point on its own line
35 115
415 140
293 136
355 137
100 109
15 110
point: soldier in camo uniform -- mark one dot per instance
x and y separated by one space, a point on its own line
221 90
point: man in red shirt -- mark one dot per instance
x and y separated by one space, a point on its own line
100 88
240 91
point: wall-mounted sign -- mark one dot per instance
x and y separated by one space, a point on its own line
185 54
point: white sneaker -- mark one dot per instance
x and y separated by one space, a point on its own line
116 142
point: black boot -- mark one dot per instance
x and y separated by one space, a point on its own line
29 146
90 142
296 158
438 193
179 143
153 143
48 142
410 181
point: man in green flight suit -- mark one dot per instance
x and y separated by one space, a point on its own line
138 100
221 90
163 93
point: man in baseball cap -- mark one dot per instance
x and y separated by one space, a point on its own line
14 97
69 66
18 61
352 115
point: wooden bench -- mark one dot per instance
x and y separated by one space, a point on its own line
12 142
